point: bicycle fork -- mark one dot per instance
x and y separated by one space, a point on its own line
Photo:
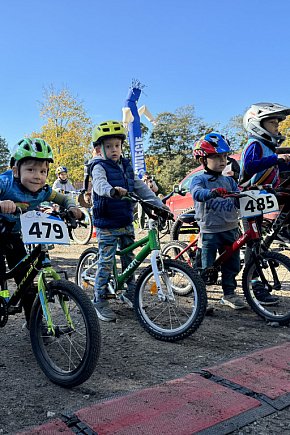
259 269
155 256
49 272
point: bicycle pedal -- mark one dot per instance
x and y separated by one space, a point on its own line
14 309
111 296
123 300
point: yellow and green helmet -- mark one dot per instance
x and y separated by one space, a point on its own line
108 129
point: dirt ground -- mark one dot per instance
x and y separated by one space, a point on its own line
130 360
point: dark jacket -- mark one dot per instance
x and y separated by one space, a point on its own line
111 212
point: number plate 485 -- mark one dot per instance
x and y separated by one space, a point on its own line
257 203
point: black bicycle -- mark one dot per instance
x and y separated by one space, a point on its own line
64 328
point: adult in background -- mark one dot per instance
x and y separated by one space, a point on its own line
148 180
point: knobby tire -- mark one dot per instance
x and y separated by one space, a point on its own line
276 268
171 320
69 357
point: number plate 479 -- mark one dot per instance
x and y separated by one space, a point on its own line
42 228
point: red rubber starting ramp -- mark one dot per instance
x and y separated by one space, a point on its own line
217 399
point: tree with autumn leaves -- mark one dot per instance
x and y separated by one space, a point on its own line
285 131
67 129
4 155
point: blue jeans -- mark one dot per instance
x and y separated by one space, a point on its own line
108 242
213 243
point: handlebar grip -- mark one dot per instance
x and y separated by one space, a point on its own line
283 150
17 211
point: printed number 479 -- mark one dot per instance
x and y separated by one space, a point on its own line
35 230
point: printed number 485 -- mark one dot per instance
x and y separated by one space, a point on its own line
260 204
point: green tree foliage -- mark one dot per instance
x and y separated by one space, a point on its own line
176 132
236 133
67 129
4 155
285 131
171 142
168 172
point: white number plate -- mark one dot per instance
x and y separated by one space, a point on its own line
258 202
42 228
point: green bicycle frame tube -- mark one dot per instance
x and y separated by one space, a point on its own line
149 243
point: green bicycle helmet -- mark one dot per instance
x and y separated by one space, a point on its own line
108 129
34 148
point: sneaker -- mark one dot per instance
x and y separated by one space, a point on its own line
233 301
104 311
263 295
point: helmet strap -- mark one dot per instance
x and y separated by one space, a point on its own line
214 174
103 151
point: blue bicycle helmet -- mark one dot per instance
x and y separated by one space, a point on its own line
211 143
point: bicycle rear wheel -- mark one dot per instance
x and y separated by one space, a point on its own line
183 308
86 271
69 356
185 227
174 248
84 230
276 270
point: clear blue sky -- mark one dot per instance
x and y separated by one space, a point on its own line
219 55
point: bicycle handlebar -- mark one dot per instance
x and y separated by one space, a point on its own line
282 150
66 215
279 191
148 207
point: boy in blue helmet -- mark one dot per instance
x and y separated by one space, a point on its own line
217 216
113 177
25 183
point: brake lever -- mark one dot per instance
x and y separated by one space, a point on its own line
71 220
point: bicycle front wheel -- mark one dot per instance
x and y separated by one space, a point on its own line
276 270
67 356
180 311
86 271
83 232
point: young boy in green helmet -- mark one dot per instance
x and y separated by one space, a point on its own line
113 177
25 183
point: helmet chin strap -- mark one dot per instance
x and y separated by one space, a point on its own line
103 151
214 174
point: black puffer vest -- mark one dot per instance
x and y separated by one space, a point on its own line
111 212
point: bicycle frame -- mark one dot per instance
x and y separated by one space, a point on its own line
280 220
28 268
37 262
252 233
151 245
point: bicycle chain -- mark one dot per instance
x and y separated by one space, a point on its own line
3 312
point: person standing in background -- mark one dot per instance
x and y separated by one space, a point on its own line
148 180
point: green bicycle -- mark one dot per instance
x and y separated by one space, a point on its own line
170 298
64 328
